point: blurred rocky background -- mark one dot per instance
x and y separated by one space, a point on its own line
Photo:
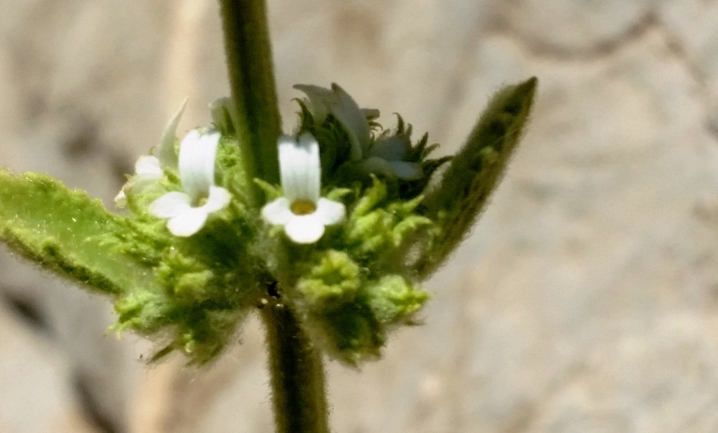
585 301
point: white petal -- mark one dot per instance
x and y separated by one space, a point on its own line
329 211
300 168
318 100
311 177
167 154
304 229
218 199
277 212
121 199
170 205
288 170
196 162
149 167
139 184
188 222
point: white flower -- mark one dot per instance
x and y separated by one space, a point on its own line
302 211
148 169
187 211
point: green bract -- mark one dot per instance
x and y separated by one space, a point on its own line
357 282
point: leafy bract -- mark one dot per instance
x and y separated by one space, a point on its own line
65 231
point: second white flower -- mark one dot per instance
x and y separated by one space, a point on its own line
302 211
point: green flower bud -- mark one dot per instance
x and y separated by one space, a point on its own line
377 227
394 300
334 280
356 330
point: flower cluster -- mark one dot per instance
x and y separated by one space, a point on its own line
338 234
357 220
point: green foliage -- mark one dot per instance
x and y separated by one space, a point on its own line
351 297
393 300
334 142
355 330
188 282
188 294
349 290
200 330
224 116
231 169
476 170
204 284
377 227
64 231
415 153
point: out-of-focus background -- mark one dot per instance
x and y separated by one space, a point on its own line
586 300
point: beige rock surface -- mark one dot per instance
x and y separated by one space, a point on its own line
585 301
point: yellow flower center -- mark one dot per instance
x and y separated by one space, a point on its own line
302 207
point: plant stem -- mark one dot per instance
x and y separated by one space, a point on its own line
296 369
297 374
251 77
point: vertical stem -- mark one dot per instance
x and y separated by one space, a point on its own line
298 390
295 366
251 77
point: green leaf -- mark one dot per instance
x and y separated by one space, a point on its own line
64 230
475 172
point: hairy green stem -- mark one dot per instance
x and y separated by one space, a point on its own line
298 390
251 77
296 369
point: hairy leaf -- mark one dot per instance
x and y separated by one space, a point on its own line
475 172
63 230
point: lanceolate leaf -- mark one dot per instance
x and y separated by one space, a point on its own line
475 172
65 231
